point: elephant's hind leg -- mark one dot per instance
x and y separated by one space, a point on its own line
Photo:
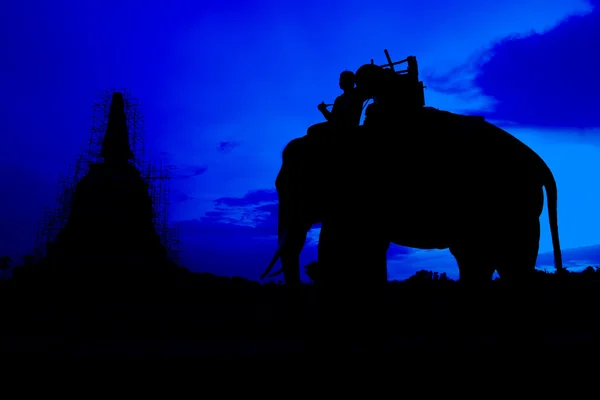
518 251
517 257
473 302
473 259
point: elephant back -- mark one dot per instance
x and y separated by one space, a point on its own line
430 145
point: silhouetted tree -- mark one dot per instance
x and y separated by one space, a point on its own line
28 260
588 272
5 262
421 276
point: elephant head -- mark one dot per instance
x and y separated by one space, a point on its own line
315 171
309 163
298 185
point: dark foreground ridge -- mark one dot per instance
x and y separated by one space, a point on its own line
178 314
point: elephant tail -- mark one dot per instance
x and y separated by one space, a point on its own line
552 195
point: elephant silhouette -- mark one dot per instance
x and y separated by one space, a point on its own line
425 179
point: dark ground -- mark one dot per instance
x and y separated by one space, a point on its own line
207 319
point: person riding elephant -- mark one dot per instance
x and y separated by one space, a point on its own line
346 111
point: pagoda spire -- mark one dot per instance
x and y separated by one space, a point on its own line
115 145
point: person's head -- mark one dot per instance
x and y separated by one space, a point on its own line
369 80
346 80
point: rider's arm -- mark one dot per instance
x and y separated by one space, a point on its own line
326 113
335 110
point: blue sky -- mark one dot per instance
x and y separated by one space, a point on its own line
224 86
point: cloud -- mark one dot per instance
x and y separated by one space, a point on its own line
529 78
456 90
181 197
254 197
538 80
257 209
237 229
190 171
227 146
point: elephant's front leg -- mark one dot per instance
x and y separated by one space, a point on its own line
352 254
290 261
353 263
290 256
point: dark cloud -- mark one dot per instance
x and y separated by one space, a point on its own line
227 146
449 84
190 171
198 170
251 198
254 215
549 80
181 197
459 80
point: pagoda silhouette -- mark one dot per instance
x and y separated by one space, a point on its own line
110 222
